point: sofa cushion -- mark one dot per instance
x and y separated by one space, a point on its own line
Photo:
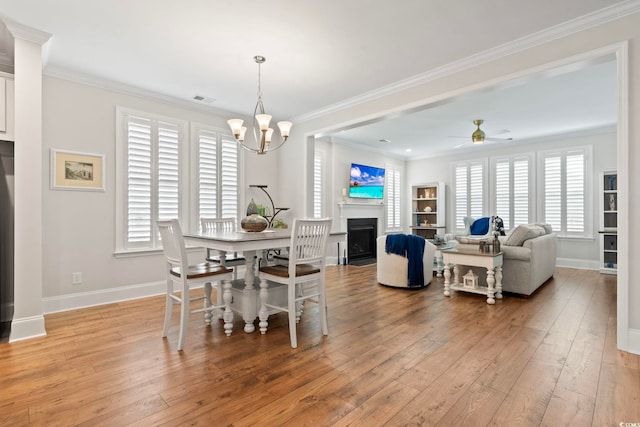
522 233
480 226
547 227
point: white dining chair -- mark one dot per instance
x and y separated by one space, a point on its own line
304 275
180 273
222 257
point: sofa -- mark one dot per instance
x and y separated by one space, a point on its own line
393 270
529 257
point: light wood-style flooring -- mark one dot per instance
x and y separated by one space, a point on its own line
393 357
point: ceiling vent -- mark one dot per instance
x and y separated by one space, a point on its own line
201 98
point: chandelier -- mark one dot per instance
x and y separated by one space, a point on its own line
262 133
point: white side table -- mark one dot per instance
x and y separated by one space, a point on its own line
492 262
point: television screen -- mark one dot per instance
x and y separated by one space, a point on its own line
366 182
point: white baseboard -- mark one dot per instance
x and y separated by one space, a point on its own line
633 341
100 297
28 327
578 263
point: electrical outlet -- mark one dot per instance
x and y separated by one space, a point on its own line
76 278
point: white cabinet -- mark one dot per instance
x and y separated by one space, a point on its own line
428 209
6 108
608 213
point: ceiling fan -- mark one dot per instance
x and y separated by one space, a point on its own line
478 136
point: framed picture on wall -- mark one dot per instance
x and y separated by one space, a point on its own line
72 170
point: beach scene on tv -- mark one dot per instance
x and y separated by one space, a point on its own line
367 182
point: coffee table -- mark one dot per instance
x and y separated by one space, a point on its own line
472 257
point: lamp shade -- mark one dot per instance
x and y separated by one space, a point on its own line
263 121
236 126
285 128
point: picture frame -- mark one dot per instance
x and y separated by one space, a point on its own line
72 170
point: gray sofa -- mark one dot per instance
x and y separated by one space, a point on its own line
528 262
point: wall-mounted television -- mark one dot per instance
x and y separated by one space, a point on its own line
367 182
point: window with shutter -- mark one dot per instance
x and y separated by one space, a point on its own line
566 197
153 182
393 197
152 179
469 190
512 188
318 174
217 175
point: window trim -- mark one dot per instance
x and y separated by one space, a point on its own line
587 150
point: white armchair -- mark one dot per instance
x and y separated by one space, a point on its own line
393 269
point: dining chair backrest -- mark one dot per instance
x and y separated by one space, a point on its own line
308 242
173 242
218 224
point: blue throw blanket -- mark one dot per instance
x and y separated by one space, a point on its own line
411 247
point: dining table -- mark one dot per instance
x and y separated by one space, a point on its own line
250 244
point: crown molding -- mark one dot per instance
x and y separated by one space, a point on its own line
547 35
23 32
85 79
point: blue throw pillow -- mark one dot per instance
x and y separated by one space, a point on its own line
480 226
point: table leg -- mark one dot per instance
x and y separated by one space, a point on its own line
499 282
249 294
439 264
490 282
447 277
263 313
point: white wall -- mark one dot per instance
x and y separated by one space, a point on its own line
79 226
583 253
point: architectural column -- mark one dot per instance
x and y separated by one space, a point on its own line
28 319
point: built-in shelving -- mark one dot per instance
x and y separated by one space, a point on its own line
428 209
608 222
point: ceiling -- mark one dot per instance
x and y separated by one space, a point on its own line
321 54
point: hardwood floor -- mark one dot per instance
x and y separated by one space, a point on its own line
392 357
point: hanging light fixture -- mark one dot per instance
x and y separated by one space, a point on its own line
262 133
478 135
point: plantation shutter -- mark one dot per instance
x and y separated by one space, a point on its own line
476 193
168 171
393 189
512 191
229 166
317 184
575 193
218 168
553 191
503 191
461 195
520 192
207 174
139 180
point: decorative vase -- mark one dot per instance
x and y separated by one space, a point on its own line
252 208
612 182
254 223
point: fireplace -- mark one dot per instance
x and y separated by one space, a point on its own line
361 240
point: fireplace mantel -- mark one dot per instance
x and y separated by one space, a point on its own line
361 210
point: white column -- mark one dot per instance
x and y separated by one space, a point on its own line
28 319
